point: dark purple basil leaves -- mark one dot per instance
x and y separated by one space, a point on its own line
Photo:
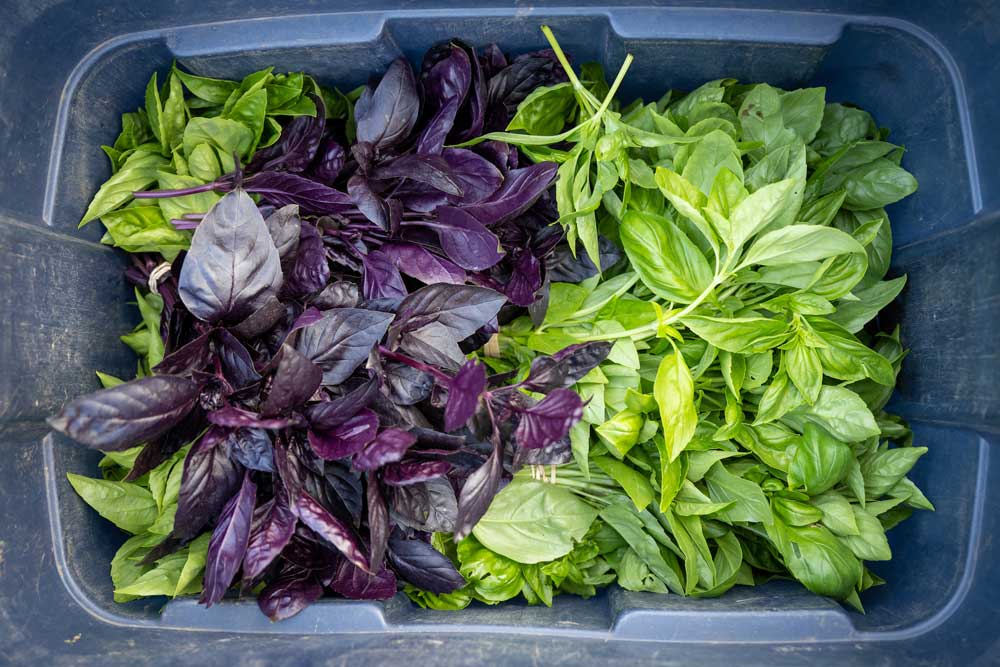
525 278
357 584
272 527
288 595
342 340
330 528
565 368
233 267
461 309
297 146
386 114
311 270
548 420
123 416
234 417
237 365
464 391
407 385
478 491
429 506
378 521
369 202
282 188
423 566
261 320
401 474
388 447
210 478
478 177
191 356
430 170
228 543
465 240
330 159
418 262
521 188
382 279
446 76
340 294
252 448
295 380
346 439
285 226
327 415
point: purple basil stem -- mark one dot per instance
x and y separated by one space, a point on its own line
209 479
348 438
331 529
234 417
463 394
521 188
123 416
228 543
272 527
388 447
357 584
549 420
288 595
402 474
423 566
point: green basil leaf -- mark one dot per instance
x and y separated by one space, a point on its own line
795 512
125 567
870 543
883 470
667 261
531 522
715 151
847 358
250 110
174 208
800 243
125 504
144 229
877 184
802 111
804 368
817 558
138 173
621 432
758 211
820 461
674 393
215 91
740 335
226 135
624 520
750 503
840 411
545 110
838 513
779 399
635 485
853 315
840 127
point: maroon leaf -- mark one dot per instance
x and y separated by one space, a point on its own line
331 529
281 189
192 356
273 526
252 448
521 188
328 415
478 491
418 262
525 278
347 438
465 240
381 277
342 340
402 474
386 114
358 584
388 447
234 417
210 478
295 380
237 364
463 394
288 595
228 543
369 202
478 176
565 368
133 412
378 521
430 170
311 270
549 420
423 566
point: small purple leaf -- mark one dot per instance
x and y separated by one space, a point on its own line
252 448
273 526
281 189
401 474
381 277
328 415
288 595
565 368
386 114
192 356
388 447
237 365
331 529
311 270
420 564
342 340
463 394
358 584
285 226
418 262
209 479
464 239
478 491
368 201
548 420
228 543
348 438
234 417
478 177
525 278
521 188
431 170
378 521
295 380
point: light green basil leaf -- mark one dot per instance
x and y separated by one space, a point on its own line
674 392
250 110
545 110
125 567
871 543
634 483
226 135
565 299
800 243
802 364
108 381
579 440
817 558
144 229
138 173
840 127
877 184
847 358
838 513
621 432
668 262
714 152
820 461
840 411
203 163
853 315
174 115
174 208
740 335
883 470
795 512
215 91
778 400
750 502
125 504
802 111
624 520
758 211
822 211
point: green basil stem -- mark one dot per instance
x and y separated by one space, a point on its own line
585 95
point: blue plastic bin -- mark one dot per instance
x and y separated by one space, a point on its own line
928 70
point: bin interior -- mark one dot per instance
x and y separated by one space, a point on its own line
78 299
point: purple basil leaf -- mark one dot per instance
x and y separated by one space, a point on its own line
492 60
554 453
348 438
388 447
192 356
299 141
462 309
423 566
237 365
386 115
418 262
472 115
308 551
502 156
401 474
521 188
331 529
252 448
233 267
525 278
381 277
549 420
288 595
311 271
284 225
307 317
339 294
378 521
478 491
345 484
330 159
234 417
406 384
435 344
445 84
357 584
295 380
433 138
463 394
565 368
342 340
508 87
209 479
465 240
281 189
540 306
431 170
563 267
163 447
478 177
273 526
261 320
369 202
228 543
133 412
327 415
430 506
